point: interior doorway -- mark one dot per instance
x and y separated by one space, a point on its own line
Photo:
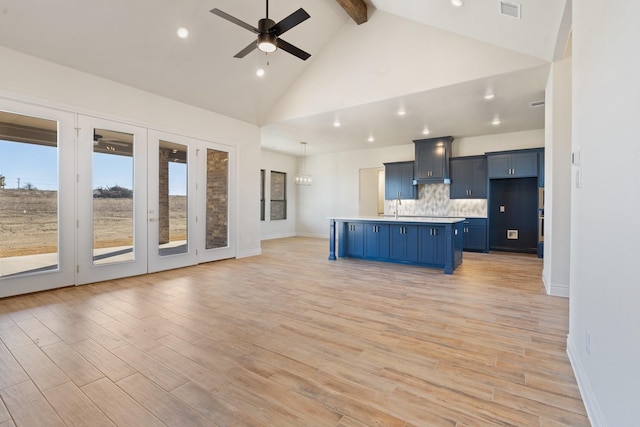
371 193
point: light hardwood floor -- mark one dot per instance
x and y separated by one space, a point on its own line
291 339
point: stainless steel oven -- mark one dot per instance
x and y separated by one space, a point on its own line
540 197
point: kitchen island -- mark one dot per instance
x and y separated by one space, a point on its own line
431 242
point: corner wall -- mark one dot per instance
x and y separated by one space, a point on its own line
270 161
604 323
557 209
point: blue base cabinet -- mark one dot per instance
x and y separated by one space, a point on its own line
431 250
351 237
376 241
403 243
474 233
432 244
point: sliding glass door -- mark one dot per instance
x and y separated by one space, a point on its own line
36 198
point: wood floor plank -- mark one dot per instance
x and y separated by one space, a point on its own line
12 371
44 373
75 408
107 362
219 412
166 407
290 338
160 374
76 367
28 407
211 380
118 405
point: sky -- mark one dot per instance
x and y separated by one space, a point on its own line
37 165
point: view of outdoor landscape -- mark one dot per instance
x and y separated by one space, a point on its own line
29 222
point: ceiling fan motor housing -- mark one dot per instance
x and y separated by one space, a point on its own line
267 42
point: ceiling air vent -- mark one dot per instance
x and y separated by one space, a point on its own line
510 9
536 104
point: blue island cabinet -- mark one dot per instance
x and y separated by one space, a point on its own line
403 243
376 241
432 242
432 249
354 239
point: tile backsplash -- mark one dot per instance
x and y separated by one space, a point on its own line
434 201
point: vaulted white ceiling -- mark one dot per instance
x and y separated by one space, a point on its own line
427 56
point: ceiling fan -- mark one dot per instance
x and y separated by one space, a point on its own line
269 33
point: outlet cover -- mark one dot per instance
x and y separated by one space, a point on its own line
512 234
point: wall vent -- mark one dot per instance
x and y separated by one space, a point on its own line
536 104
510 9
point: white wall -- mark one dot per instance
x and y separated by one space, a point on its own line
604 331
26 78
270 161
335 190
557 212
497 142
368 63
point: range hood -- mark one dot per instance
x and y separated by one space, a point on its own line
432 160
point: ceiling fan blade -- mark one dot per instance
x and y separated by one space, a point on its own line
235 20
289 22
244 52
288 47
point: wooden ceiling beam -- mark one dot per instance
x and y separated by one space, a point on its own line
357 10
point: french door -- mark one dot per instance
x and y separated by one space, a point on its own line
112 200
85 199
190 201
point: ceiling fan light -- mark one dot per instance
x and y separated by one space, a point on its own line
267 43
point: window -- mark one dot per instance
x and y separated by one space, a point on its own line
262 200
278 195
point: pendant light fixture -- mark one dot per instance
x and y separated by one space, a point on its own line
303 178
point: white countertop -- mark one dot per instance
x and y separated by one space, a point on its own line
402 219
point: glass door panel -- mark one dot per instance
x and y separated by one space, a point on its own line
217 201
216 167
112 202
28 194
172 204
36 203
112 197
173 219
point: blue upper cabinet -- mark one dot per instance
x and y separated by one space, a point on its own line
513 164
468 177
541 168
398 181
432 160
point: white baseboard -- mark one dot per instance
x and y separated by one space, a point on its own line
277 236
588 396
555 290
248 253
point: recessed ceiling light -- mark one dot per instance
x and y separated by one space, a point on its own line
425 131
260 72
371 139
457 3
495 121
401 112
489 95
182 32
336 123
